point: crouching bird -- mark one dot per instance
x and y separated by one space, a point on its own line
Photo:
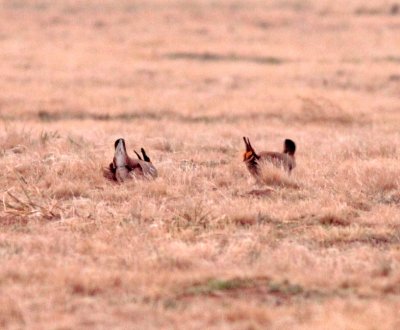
285 159
124 167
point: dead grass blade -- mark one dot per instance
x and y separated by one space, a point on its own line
30 204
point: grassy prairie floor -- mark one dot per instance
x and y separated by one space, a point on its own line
204 246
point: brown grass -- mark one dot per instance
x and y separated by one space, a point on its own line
204 245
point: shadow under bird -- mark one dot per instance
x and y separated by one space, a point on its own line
124 167
285 159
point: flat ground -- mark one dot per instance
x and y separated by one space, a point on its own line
204 246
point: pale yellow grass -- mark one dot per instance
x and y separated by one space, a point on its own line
204 246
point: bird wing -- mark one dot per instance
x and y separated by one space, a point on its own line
148 169
278 159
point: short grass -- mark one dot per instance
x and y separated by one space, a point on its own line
204 245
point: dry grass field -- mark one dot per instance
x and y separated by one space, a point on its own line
204 246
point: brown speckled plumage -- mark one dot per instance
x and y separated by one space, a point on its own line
124 167
285 159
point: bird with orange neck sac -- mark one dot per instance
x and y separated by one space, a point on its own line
124 168
285 159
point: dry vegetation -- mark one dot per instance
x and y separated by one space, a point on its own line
203 246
